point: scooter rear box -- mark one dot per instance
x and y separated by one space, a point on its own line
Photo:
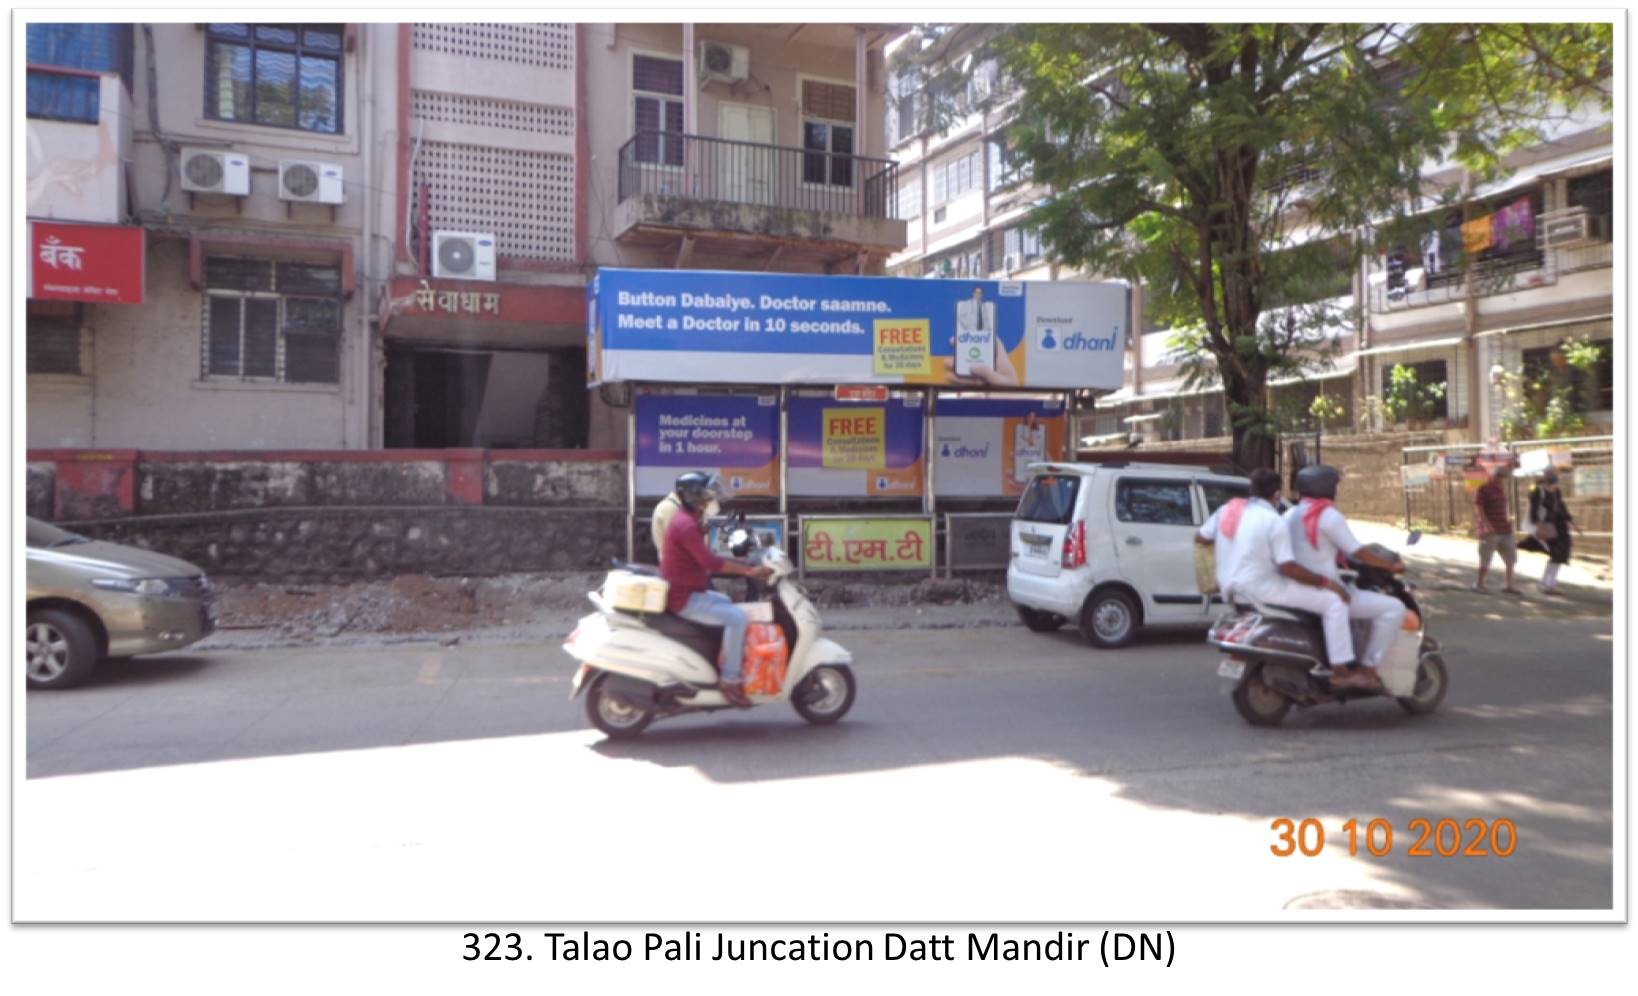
635 592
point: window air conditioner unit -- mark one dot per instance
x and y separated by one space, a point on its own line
314 183
214 171
463 255
724 63
1566 229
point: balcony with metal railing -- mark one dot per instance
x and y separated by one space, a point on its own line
753 198
1573 245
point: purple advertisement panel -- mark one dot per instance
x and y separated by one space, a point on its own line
736 436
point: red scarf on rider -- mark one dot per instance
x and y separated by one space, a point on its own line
1310 519
1230 523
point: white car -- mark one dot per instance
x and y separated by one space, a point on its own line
1110 546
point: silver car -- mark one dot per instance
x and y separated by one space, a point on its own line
90 599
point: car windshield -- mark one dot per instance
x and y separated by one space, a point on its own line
44 535
1050 498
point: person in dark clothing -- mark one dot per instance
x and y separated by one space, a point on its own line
1547 509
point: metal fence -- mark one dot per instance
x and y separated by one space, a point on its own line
1445 503
671 164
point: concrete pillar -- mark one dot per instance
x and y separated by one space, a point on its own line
691 111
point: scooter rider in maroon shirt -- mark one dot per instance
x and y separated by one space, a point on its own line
687 564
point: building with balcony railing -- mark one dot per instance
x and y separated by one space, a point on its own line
1491 285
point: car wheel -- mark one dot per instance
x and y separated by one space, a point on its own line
61 649
1109 619
1038 621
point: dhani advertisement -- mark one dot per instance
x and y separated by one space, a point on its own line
983 447
735 435
696 326
848 449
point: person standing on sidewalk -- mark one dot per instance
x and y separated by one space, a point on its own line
1495 529
1550 524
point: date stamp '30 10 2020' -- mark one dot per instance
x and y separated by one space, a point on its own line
1445 838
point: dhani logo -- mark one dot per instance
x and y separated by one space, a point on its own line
961 451
1079 342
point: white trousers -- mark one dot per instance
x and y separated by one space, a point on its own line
1385 613
1332 610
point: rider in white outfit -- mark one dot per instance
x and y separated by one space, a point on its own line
1267 572
1319 536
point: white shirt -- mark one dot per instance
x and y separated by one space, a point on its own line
1334 537
1260 546
1223 545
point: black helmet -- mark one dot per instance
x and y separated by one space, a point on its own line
697 489
1317 480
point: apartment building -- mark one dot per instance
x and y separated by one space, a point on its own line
348 236
238 156
1535 273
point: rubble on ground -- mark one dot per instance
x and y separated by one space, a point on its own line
419 603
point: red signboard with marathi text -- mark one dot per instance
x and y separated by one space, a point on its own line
97 264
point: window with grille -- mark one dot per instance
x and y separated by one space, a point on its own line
53 332
657 109
827 133
1007 165
272 321
910 196
954 177
280 75
1021 247
1591 390
1596 193
1428 373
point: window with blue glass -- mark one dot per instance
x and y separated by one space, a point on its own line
60 95
279 75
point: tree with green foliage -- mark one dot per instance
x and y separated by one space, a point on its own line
1224 165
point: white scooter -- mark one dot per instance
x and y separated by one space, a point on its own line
639 667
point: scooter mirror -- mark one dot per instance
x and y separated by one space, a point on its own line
1414 538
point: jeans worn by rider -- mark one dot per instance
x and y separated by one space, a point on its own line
687 564
1319 533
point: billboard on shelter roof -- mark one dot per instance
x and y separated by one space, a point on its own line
696 326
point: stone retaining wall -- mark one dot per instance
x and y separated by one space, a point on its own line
349 543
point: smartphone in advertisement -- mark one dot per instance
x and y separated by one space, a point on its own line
975 334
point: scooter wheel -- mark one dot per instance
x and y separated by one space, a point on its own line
1432 682
617 719
1256 702
826 694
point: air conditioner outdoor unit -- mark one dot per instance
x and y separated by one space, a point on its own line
313 182
463 255
724 63
215 171
1014 262
1567 229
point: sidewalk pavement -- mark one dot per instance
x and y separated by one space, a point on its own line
1455 559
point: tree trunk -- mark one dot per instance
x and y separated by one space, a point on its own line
1254 446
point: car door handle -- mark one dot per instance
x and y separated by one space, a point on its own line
1134 541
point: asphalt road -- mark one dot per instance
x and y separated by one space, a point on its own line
988 774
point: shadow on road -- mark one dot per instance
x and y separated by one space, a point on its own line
130 672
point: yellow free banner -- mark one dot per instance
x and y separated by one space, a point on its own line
867 544
903 347
854 439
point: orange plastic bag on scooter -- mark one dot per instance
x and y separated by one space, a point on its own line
766 658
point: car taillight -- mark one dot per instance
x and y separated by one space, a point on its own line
1075 546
